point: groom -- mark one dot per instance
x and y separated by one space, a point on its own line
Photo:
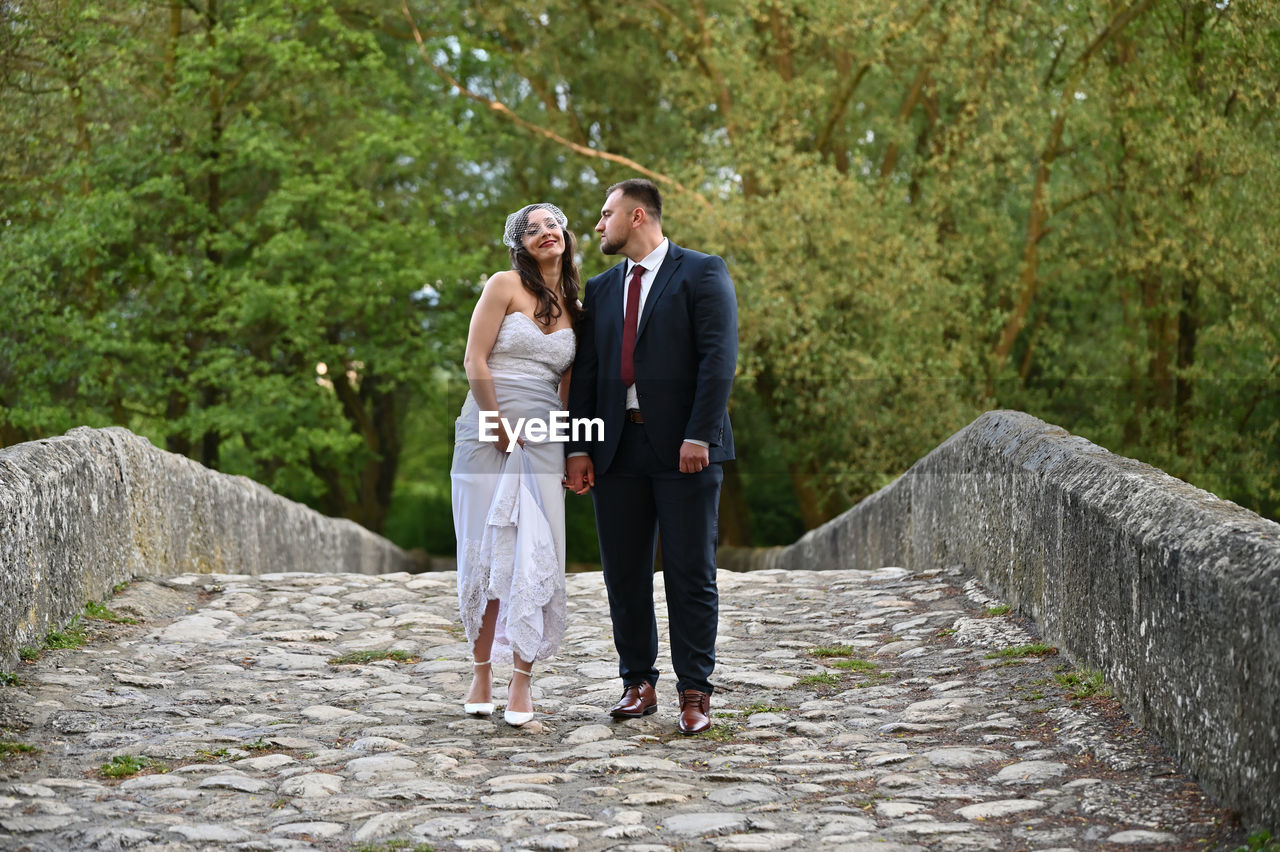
655 360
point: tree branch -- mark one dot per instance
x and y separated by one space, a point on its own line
904 114
506 112
841 104
1037 221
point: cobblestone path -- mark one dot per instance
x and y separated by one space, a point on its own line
854 711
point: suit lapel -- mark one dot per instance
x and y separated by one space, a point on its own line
666 272
610 308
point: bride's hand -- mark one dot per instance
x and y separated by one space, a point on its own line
504 441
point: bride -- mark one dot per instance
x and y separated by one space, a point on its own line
508 501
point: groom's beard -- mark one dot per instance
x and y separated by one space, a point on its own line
607 247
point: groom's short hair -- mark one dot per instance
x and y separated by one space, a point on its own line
644 193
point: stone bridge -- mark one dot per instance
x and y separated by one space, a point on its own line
1023 643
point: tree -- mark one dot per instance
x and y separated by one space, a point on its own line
929 209
221 224
936 207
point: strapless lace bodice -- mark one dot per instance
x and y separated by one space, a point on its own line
522 349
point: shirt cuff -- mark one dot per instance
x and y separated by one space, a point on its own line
696 441
578 453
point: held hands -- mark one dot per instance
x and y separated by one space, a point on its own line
579 474
693 457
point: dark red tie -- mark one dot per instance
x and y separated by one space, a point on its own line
630 319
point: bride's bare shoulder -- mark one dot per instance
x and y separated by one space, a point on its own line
507 279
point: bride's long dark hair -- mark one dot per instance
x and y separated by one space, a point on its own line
531 276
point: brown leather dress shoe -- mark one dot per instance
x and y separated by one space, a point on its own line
638 699
695 712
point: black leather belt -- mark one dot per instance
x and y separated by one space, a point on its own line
633 416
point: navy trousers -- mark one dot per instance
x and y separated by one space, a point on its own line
639 497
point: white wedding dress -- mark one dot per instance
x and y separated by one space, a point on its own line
508 508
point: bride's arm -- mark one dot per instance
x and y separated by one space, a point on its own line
486 319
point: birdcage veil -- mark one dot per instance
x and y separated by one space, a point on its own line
519 220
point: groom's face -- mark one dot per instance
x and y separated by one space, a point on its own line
614 226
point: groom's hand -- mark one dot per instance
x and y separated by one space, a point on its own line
693 457
579 474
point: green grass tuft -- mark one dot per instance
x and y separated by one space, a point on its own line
824 679
855 665
999 609
396 845
257 745
1086 683
833 651
722 732
98 612
72 637
125 765
762 707
29 655
9 679
1019 651
355 658
8 749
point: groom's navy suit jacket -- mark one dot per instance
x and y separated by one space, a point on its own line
685 354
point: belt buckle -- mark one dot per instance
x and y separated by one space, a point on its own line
634 416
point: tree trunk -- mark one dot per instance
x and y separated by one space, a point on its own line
735 519
813 508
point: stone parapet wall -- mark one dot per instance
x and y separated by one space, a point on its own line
95 507
1171 592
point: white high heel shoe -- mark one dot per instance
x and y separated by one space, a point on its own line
484 708
515 718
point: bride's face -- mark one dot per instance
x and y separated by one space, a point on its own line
542 236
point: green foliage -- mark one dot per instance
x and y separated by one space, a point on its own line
1259 841
1000 609
256 236
239 253
833 651
28 654
9 679
938 210
99 612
